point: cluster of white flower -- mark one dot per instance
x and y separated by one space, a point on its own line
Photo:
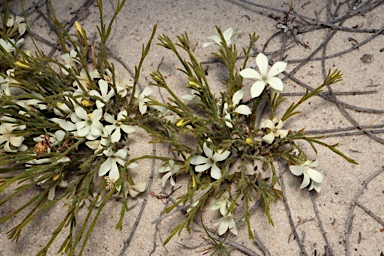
84 113
271 129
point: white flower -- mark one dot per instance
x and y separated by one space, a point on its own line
117 125
193 97
309 174
103 143
9 85
110 164
54 138
273 128
84 80
169 169
264 78
242 109
18 23
136 189
204 163
164 113
228 34
143 99
222 203
69 61
105 96
8 47
11 139
90 127
225 223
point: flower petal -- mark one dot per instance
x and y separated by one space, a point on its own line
105 167
202 168
208 152
315 175
276 83
237 97
262 63
297 169
215 172
269 138
257 88
196 160
268 124
277 68
114 174
165 178
243 109
250 73
221 155
305 182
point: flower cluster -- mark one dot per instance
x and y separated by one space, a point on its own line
231 132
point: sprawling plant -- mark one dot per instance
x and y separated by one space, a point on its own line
63 127
237 137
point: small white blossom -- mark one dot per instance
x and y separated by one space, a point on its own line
10 138
223 203
273 128
105 95
90 127
265 77
18 23
170 168
69 61
54 138
84 80
193 97
241 109
225 223
205 163
117 125
227 34
309 174
8 47
110 164
143 99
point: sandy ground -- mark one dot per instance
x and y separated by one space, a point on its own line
346 218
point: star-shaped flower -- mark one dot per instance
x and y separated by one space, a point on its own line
91 127
223 203
225 223
265 77
117 125
241 109
11 139
309 174
273 127
18 23
204 163
170 168
103 95
143 99
110 164
228 34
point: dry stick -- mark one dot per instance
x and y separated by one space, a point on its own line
353 93
356 46
370 213
136 224
294 231
260 244
353 205
366 8
323 233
